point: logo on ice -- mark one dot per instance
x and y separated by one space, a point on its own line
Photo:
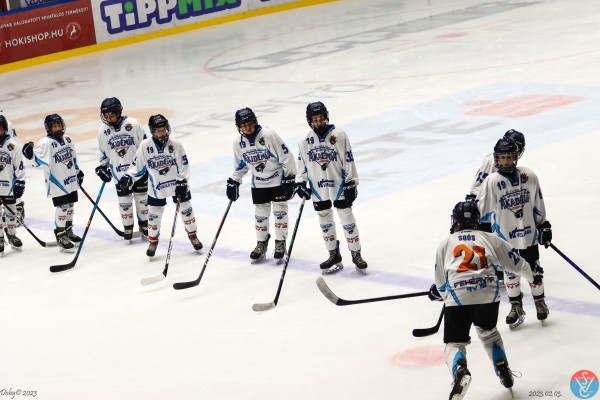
127 15
584 384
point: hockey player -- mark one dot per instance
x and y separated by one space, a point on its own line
511 200
326 162
12 185
466 282
56 154
261 150
12 134
119 137
164 161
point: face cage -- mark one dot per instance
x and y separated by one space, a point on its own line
103 118
58 134
161 140
510 169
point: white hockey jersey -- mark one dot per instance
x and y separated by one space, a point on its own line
59 160
488 166
326 163
11 165
165 164
266 155
465 267
119 145
514 209
12 133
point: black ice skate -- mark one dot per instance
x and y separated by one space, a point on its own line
462 380
143 228
1 246
195 242
64 244
73 238
128 232
14 241
260 251
505 375
152 249
361 265
279 252
516 316
541 308
334 263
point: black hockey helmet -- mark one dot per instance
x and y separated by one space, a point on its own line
317 108
110 105
159 121
54 119
465 215
519 139
243 116
506 146
4 124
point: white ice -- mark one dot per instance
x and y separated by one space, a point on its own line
423 89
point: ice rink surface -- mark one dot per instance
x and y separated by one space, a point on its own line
423 89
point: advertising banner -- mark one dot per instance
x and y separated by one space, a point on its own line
46 30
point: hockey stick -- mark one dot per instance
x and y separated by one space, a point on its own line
420 332
64 267
268 306
593 282
117 230
153 279
41 242
342 302
196 282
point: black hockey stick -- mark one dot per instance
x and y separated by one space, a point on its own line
117 230
153 279
196 282
41 242
593 282
273 304
420 332
342 302
64 267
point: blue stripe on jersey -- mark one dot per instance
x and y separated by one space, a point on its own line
57 183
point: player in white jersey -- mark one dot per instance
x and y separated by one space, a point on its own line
326 162
56 154
164 161
465 280
511 200
119 137
12 185
12 134
262 151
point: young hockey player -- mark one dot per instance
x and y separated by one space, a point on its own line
119 137
466 282
511 200
56 154
260 150
326 162
164 161
12 134
12 185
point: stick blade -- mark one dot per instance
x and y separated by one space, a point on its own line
263 306
322 285
62 267
152 279
424 332
185 285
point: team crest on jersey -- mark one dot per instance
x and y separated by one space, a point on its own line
261 140
10 147
524 177
64 156
162 164
333 139
515 201
128 127
171 149
322 155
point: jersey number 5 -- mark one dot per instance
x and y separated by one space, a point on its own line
468 263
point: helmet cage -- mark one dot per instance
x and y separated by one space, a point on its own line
518 138
506 146
111 105
314 109
51 120
159 121
244 116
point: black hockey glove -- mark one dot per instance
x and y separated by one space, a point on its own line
103 172
181 190
304 192
18 189
80 175
350 191
126 182
287 184
545 233
434 294
233 189
28 150
470 197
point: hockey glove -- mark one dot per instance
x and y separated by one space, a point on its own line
233 189
287 184
304 192
545 233
103 172
80 175
350 191
28 150
181 190
470 197
434 294
126 182
18 189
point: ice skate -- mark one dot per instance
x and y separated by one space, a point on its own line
143 228
541 308
260 251
195 242
152 249
360 264
1 246
279 252
462 380
128 232
64 244
14 242
516 316
73 238
334 263
20 209
505 375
